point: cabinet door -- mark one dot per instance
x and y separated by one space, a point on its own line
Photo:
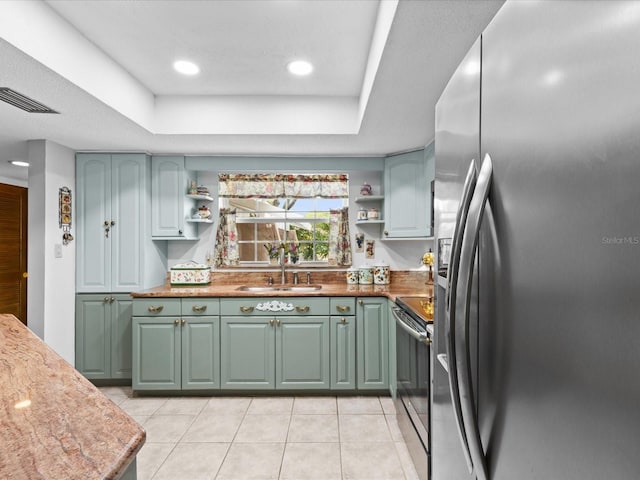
121 311
407 194
156 353
93 335
343 353
93 208
128 215
168 190
200 353
302 353
247 353
372 344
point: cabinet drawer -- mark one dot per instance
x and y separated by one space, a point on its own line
200 306
280 306
343 306
156 307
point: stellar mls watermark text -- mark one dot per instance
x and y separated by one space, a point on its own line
628 240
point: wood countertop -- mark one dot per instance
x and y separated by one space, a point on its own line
402 284
54 424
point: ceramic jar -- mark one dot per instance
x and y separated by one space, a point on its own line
352 276
373 214
365 275
362 214
365 189
381 274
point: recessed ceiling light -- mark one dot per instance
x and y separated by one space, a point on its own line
300 67
19 163
186 67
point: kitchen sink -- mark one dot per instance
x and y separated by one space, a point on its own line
280 288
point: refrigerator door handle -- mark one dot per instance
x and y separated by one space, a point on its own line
450 314
462 306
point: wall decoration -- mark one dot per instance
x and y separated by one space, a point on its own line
64 214
370 249
359 242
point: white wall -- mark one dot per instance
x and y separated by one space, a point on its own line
51 287
399 254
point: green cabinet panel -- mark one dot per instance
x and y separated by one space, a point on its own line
169 205
406 184
156 353
271 307
93 336
343 352
103 336
247 353
302 353
200 353
372 344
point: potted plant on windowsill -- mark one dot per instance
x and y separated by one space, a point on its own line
273 251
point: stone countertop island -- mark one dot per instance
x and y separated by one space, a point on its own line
54 424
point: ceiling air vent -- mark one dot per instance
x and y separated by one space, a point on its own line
21 101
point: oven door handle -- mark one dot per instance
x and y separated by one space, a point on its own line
422 337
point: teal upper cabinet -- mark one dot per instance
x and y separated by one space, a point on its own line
407 202
114 249
170 206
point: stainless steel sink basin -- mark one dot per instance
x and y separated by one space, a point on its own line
280 288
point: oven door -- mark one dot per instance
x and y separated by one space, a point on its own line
413 387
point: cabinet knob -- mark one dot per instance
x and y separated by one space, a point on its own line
271 322
183 321
278 322
386 232
304 309
113 223
176 321
360 302
106 299
112 299
157 309
343 320
179 232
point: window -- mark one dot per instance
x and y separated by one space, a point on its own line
265 213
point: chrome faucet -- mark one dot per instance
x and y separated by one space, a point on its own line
283 278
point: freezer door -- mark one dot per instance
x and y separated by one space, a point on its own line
560 309
457 144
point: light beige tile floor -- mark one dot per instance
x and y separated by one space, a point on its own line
243 438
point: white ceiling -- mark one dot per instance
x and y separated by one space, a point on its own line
106 66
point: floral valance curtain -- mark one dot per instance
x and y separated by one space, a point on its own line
280 185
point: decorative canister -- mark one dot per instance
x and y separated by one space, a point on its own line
362 214
352 276
381 274
365 275
365 189
373 214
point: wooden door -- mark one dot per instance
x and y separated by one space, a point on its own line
13 251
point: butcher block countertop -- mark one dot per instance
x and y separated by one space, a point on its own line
54 424
333 284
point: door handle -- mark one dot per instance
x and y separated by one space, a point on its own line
462 306
244 309
157 309
450 301
304 309
343 309
199 308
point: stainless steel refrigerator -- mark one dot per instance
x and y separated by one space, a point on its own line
537 219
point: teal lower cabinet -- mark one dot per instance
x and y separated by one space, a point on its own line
343 353
103 336
372 344
270 352
302 353
176 344
247 352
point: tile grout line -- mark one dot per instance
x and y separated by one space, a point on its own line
244 415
